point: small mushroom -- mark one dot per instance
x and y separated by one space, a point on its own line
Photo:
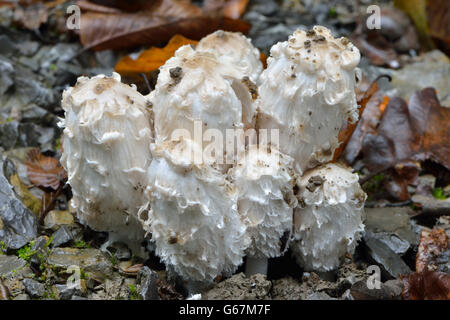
264 183
330 221
106 152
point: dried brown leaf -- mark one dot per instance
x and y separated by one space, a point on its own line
347 131
166 18
151 59
427 285
438 14
410 131
45 172
432 244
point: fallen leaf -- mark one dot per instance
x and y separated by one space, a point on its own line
408 133
100 31
232 9
416 10
395 35
368 123
31 17
364 95
133 270
438 15
151 59
427 285
94 7
45 172
432 244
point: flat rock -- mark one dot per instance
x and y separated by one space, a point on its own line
65 234
90 260
19 224
395 221
432 206
33 288
9 265
382 254
431 69
56 218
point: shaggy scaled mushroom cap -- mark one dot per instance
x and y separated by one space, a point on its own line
106 152
236 49
193 217
195 86
264 182
329 220
307 92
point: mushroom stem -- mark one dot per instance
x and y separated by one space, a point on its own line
256 265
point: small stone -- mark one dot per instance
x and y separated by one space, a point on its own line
120 250
22 296
239 287
56 218
34 288
65 234
147 280
65 292
10 265
6 76
425 184
319 296
90 260
387 291
41 247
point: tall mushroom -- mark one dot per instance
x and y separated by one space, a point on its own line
193 217
307 92
106 152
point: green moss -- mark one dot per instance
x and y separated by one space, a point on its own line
134 295
81 245
3 247
332 13
26 252
438 193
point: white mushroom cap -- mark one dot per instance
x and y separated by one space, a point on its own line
329 220
193 218
264 181
106 152
195 86
307 92
235 49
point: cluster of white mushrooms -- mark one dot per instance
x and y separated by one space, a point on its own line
130 177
